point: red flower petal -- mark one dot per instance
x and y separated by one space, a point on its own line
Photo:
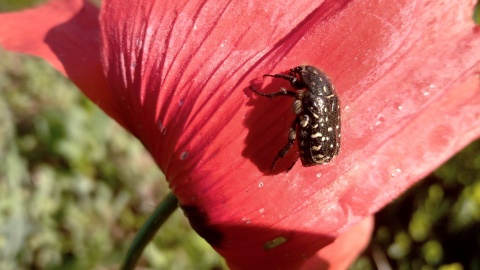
406 72
66 33
346 248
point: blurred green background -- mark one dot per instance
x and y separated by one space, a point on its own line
69 202
67 198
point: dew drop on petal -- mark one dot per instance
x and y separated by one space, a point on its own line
246 220
184 155
428 90
180 103
262 210
396 172
319 175
260 184
380 120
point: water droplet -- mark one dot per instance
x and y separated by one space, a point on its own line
319 175
262 210
260 184
184 155
396 172
400 107
248 221
380 120
427 91
180 103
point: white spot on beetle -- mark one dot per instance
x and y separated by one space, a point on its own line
316 148
304 119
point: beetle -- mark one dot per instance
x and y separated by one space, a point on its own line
317 122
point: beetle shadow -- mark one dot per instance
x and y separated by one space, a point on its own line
268 123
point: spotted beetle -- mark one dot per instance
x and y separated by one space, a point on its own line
317 111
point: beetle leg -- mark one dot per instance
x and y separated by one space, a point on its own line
293 163
282 92
292 135
291 78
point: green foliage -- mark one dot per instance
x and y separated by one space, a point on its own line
74 186
11 5
476 13
435 225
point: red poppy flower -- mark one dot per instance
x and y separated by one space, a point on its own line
177 74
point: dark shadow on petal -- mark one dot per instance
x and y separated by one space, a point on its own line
248 245
268 123
200 223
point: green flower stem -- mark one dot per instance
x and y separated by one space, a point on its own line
148 230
